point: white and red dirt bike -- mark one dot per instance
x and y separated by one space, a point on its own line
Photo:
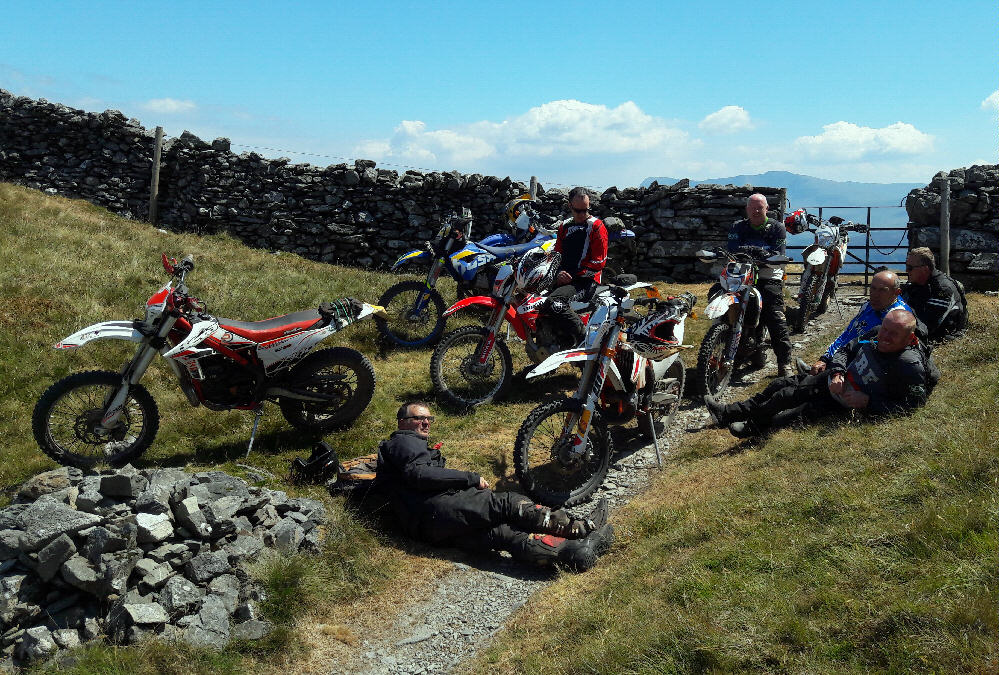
103 417
564 446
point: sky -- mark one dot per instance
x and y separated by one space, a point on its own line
576 93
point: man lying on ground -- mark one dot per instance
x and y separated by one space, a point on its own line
456 508
885 371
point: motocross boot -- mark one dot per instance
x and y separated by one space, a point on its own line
719 412
546 549
541 519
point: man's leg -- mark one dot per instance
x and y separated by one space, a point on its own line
542 549
783 393
772 316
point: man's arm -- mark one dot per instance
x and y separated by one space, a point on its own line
905 389
943 300
596 255
413 461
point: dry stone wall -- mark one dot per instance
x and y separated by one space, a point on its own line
974 222
346 213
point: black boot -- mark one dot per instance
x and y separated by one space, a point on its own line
577 555
719 411
541 519
580 555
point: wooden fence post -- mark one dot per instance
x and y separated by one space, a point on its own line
945 227
154 184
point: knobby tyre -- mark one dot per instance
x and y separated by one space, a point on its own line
403 326
340 372
712 376
664 413
808 304
548 470
458 377
66 421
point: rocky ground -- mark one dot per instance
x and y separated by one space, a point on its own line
478 595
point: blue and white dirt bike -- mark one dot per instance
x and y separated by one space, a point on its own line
415 309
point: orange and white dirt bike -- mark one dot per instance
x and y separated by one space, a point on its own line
105 417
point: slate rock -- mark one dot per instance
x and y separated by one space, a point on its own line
251 630
67 638
80 573
145 614
110 539
245 546
36 643
153 574
189 516
210 627
46 483
206 566
153 527
180 596
45 520
51 557
124 483
10 544
287 535
226 588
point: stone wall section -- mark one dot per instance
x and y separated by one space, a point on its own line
350 214
974 222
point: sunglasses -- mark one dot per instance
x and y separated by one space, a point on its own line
909 268
575 210
420 418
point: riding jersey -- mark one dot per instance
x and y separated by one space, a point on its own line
867 318
939 304
895 382
583 247
771 237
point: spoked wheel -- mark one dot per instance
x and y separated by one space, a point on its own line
666 399
831 289
459 377
415 314
549 467
343 374
808 303
713 373
67 421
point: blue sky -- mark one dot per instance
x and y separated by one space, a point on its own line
575 93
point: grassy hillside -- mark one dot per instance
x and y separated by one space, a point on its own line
833 548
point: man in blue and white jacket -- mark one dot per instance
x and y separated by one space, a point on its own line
884 297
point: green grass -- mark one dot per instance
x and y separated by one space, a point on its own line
830 548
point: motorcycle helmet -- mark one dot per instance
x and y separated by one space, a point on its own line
653 337
796 222
518 216
537 270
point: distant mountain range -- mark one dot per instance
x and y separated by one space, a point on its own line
811 193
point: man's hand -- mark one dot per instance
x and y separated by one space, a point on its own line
836 384
483 483
563 278
854 398
818 367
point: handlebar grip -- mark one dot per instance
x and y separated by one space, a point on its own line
187 262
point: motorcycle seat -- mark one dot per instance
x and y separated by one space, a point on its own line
275 327
503 252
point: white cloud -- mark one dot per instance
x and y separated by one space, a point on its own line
728 120
992 101
564 128
168 106
845 141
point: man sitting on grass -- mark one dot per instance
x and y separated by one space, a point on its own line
456 508
884 371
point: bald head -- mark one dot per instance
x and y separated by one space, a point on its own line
756 209
885 288
896 331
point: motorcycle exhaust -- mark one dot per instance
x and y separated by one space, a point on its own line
301 395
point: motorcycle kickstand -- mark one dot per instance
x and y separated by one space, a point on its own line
257 413
655 440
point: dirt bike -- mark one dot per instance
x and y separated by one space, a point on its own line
101 416
823 261
416 308
737 336
563 447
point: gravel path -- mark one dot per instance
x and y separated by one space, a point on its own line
475 598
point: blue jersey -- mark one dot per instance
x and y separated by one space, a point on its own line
866 319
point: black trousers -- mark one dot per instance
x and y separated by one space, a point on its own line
460 513
772 316
569 327
785 401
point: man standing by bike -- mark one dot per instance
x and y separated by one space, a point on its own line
582 242
758 231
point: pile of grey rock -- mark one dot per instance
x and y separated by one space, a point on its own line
125 554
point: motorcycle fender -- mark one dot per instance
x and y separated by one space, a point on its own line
558 358
106 330
490 303
199 331
720 305
614 375
369 310
415 254
816 257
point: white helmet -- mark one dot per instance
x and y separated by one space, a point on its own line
654 336
537 270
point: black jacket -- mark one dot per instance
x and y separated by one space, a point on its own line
939 304
896 383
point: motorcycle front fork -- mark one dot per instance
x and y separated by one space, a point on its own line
131 374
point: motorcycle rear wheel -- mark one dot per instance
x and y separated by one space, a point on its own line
711 377
548 470
663 414
404 327
67 417
456 374
809 301
340 371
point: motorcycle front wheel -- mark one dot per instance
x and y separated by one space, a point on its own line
547 465
415 314
67 421
340 372
713 374
457 375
